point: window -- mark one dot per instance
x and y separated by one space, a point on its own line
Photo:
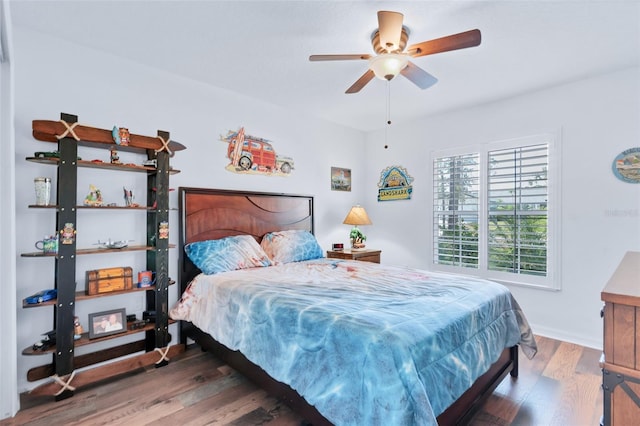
491 211
517 195
455 209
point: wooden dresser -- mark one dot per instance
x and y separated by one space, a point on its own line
621 368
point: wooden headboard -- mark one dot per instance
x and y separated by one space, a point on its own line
207 214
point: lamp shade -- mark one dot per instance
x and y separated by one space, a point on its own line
357 216
388 65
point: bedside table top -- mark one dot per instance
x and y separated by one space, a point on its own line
366 255
355 252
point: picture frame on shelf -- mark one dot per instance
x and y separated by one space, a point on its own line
107 323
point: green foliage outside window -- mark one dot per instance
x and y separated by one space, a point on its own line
518 242
458 244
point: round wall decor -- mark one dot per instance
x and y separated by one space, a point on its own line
626 166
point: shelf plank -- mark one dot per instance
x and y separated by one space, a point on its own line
129 167
105 371
81 361
47 130
95 251
84 339
38 254
105 207
116 250
82 295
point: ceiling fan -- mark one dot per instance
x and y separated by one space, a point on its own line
389 42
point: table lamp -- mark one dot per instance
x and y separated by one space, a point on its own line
357 216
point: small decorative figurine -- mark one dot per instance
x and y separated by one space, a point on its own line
128 197
77 328
115 135
68 234
124 136
163 231
120 135
94 197
110 244
115 159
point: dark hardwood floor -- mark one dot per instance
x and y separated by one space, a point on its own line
560 386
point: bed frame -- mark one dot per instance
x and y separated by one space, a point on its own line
215 213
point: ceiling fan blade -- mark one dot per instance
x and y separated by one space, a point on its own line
314 58
390 29
453 42
362 81
418 76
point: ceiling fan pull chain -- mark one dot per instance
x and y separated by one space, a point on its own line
389 102
388 114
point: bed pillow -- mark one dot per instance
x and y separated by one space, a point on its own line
226 254
291 246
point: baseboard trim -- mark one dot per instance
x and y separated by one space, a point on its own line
552 333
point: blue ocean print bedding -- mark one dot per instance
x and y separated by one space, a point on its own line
366 344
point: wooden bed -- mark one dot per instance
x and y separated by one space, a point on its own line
213 213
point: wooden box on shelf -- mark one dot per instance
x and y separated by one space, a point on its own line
109 279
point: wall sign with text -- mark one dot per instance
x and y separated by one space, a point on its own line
395 184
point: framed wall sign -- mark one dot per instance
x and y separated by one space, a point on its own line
395 184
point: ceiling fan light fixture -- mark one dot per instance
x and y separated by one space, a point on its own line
388 65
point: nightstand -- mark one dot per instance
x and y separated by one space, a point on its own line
364 255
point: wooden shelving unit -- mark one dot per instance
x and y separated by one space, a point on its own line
154 348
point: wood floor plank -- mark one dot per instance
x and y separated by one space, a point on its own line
540 402
256 417
283 416
502 407
193 413
238 408
53 414
511 393
577 402
563 363
158 389
142 393
589 362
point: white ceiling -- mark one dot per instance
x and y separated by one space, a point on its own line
261 48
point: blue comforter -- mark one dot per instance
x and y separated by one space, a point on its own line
366 344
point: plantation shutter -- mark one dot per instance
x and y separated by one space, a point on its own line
517 198
456 183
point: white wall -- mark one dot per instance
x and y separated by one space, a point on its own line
53 76
597 119
9 402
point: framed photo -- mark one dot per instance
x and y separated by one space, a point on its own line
340 179
106 323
